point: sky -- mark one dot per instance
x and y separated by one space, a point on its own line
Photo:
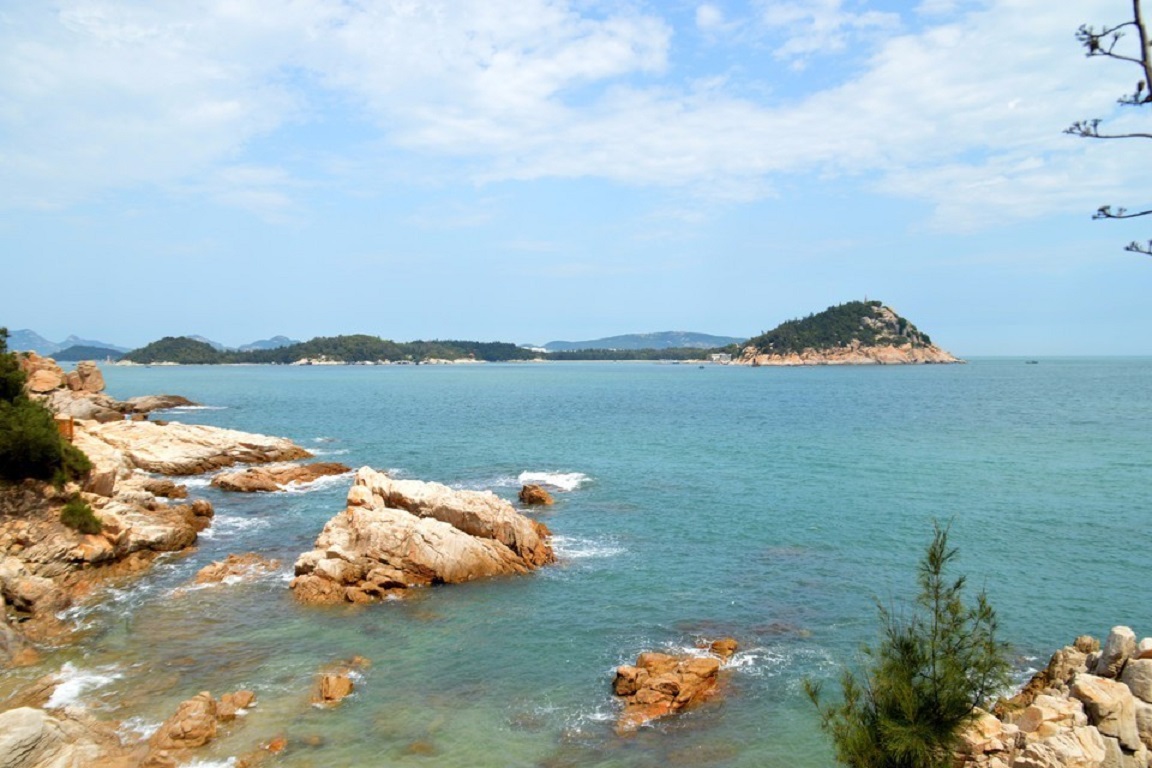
537 170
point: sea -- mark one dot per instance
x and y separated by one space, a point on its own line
776 506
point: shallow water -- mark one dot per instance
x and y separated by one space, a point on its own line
772 505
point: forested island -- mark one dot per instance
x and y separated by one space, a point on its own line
856 332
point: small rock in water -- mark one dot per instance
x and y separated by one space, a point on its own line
534 495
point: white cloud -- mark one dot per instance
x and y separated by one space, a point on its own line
120 95
821 26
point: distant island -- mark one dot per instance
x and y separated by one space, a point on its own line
853 333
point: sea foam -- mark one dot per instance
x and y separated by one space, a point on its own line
75 682
561 481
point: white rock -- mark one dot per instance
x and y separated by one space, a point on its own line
1120 645
1137 676
1144 722
1110 707
1081 747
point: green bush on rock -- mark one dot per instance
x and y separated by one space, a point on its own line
78 516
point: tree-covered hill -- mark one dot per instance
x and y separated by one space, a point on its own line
863 323
353 348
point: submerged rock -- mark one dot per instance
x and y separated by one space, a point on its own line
235 566
397 534
660 684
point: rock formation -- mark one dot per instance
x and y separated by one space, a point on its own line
1089 708
189 449
535 495
194 724
397 534
79 394
269 479
660 684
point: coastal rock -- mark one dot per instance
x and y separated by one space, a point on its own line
44 380
270 479
1066 717
193 725
32 738
1110 708
190 449
235 567
1137 676
149 403
535 495
333 688
660 684
399 534
86 378
1120 645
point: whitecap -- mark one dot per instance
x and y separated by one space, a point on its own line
574 548
193 408
230 524
561 481
137 729
75 682
331 451
196 482
319 484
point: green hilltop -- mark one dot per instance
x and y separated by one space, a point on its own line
862 323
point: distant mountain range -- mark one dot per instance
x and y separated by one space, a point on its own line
76 348
25 340
659 340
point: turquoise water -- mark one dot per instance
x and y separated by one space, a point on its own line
771 505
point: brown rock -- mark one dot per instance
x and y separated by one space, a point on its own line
333 688
270 479
193 725
660 684
535 495
44 380
90 379
162 486
231 704
149 403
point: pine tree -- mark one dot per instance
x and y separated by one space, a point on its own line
924 680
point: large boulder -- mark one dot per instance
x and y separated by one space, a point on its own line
1137 676
399 534
1110 707
1118 648
32 738
87 378
149 403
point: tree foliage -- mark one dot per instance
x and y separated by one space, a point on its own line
352 348
30 443
924 679
1106 42
840 326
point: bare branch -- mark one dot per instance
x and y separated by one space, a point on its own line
1106 212
1136 247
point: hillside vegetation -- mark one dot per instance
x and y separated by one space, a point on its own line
347 349
855 323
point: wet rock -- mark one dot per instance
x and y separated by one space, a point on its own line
236 566
193 725
399 534
270 479
660 684
533 495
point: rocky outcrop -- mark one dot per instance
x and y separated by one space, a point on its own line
335 683
1088 708
533 495
397 534
660 684
856 354
186 449
33 738
270 479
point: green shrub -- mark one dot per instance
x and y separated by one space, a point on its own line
925 679
78 516
30 443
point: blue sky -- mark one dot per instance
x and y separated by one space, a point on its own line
532 170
